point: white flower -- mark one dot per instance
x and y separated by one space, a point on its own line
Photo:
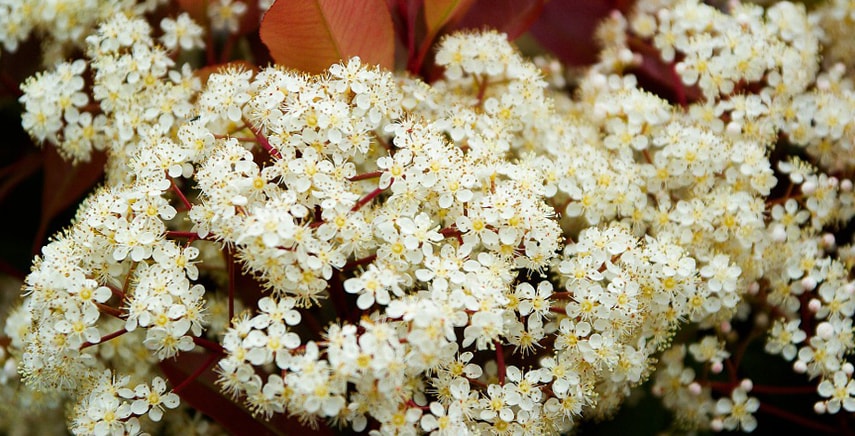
839 393
181 32
738 410
152 400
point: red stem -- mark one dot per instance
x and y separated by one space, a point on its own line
209 345
366 176
180 194
262 140
500 361
112 311
556 309
105 338
231 271
805 422
192 236
208 363
368 197
727 387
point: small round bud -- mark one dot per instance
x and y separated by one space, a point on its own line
808 187
779 233
747 385
800 366
716 425
695 388
825 330
823 84
808 283
725 327
754 288
733 128
828 240
814 305
625 56
819 407
847 368
845 185
717 367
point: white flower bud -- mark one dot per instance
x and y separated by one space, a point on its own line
695 388
814 305
825 330
779 233
716 425
809 283
717 367
754 288
808 187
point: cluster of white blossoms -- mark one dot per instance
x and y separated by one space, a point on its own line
484 254
63 24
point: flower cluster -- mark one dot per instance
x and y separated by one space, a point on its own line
483 254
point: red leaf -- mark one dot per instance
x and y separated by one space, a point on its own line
311 35
512 17
64 185
18 171
205 396
566 28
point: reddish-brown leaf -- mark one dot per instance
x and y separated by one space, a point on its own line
310 35
64 185
513 17
20 170
205 396
566 28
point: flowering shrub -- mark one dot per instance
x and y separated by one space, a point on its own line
475 242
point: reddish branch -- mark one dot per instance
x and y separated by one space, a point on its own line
104 338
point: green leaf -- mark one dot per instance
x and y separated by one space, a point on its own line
440 12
